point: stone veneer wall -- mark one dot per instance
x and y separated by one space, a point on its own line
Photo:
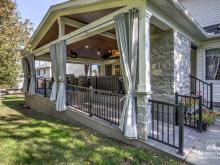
162 61
170 62
182 63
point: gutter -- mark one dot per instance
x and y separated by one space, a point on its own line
182 10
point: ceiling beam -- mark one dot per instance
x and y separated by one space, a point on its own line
99 26
78 25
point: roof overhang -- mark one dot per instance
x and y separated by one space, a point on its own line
58 10
177 12
170 8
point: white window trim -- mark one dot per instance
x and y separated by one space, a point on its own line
216 82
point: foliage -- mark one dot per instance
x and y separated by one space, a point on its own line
14 36
31 138
208 116
190 102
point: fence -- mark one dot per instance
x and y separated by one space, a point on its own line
204 89
102 104
43 86
192 110
164 128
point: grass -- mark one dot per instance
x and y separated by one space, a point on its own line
27 137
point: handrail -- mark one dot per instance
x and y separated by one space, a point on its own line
199 80
163 125
198 85
163 102
96 90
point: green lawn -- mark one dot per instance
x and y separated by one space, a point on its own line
27 137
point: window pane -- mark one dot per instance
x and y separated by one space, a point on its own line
212 64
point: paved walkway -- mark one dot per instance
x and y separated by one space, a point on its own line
206 150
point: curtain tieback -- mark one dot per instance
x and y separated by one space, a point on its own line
131 93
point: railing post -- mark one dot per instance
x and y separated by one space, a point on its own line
211 95
45 88
90 101
36 79
176 109
200 113
96 81
181 129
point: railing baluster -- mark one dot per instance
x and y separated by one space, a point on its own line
168 123
152 112
181 131
162 122
211 95
157 120
200 113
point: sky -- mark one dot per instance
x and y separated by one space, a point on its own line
35 9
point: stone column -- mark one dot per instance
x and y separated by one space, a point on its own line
182 63
144 86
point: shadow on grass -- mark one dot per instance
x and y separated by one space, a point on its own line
27 137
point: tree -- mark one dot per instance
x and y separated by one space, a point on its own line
14 36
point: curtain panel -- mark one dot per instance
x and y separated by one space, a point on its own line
31 62
58 59
25 67
55 74
127 32
86 69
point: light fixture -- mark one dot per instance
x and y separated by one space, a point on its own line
87 46
99 52
73 54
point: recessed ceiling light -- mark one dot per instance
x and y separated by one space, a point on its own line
87 46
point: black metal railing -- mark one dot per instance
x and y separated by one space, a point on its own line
192 106
102 104
204 89
164 128
43 86
108 83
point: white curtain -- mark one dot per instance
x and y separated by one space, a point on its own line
55 73
127 26
86 69
25 67
58 58
213 61
31 62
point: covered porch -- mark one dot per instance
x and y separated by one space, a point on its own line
154 68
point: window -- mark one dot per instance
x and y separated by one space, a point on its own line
213 64
117 70
108 70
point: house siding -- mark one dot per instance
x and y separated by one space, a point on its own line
206 12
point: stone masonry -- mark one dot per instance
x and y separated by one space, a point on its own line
182 63
170 62
162 61
143 116
170 69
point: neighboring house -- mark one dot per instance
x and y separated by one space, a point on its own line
163 53
43 70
